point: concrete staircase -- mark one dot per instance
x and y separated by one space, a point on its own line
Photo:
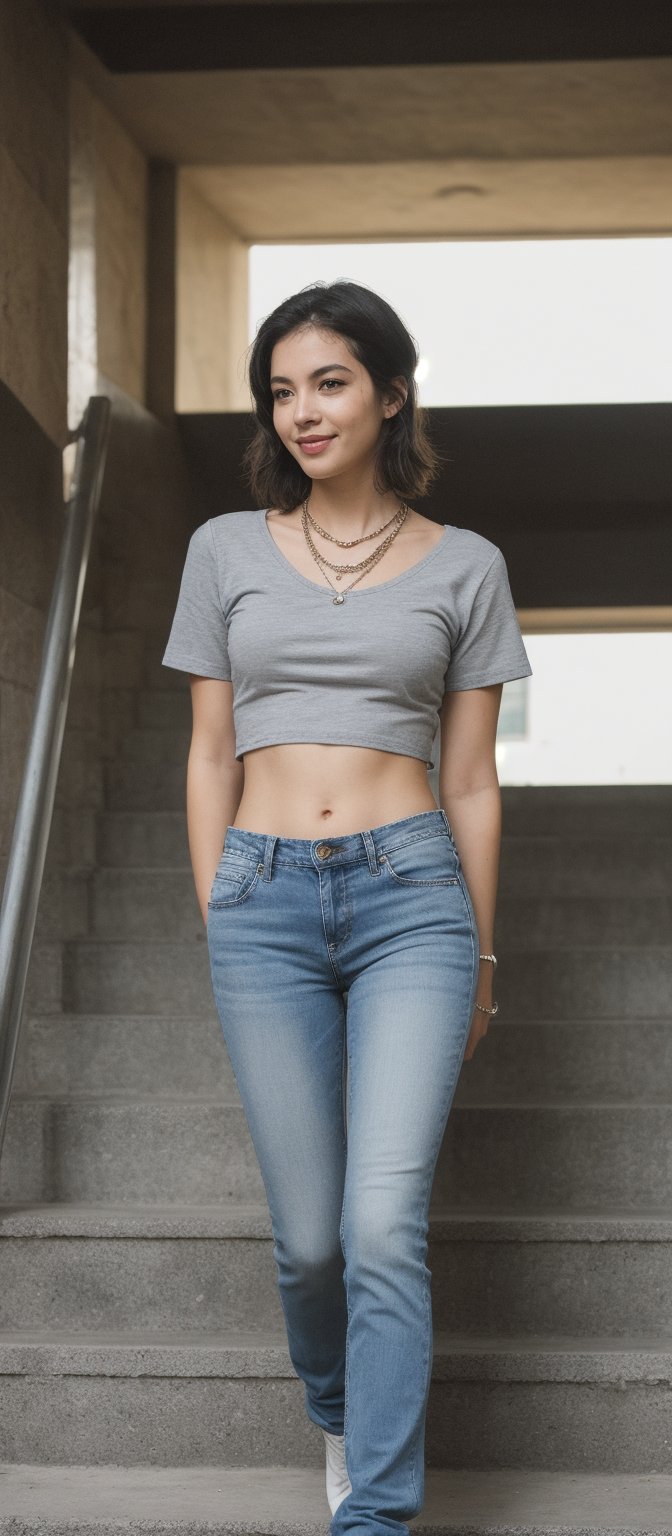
145 1382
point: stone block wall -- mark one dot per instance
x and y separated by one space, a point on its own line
69 171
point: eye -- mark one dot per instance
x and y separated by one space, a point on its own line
332 381
279 394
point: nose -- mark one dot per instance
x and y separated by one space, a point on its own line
305 409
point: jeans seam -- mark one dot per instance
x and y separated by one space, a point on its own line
413 837
338 978
239 900
426 1370
474 947
402 880
347 1304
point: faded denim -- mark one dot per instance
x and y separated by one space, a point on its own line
347 1104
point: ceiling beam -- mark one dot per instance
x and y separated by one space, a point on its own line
140 38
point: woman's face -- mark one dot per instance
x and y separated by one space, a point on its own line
325 407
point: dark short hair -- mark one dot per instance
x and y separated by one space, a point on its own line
406 462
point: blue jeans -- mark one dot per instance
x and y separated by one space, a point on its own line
347 1109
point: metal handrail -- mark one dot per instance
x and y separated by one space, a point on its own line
32 827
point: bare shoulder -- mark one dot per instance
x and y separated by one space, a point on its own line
287 519
424 529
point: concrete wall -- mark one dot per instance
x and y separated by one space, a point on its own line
212 297
53 122
34 203
33 392
109 251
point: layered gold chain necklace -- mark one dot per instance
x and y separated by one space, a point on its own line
396 522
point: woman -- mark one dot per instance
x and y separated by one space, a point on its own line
324 867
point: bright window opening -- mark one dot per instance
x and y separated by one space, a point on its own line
595 711
507 322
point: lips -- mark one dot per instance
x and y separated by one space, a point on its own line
314 444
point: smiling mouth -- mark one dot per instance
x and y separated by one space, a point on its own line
313 442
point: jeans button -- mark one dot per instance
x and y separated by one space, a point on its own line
323 850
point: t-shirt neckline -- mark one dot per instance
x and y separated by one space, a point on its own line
354 591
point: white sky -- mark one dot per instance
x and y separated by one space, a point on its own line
513 322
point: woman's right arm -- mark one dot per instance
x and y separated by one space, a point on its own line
215 779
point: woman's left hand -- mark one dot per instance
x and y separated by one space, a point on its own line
480 1021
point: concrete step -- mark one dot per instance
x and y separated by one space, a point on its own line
142 839
159 678
157 1056
160 709
44 983
582 866
145 744
617 811
143 977
143 1055
170 977
290 1501
522 1157
161 902
157 785
63 907
211 1267
127 1150
188 1399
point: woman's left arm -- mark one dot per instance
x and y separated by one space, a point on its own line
470 796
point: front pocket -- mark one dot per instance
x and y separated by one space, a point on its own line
235 879
427 861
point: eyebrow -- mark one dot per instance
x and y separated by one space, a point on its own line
279 378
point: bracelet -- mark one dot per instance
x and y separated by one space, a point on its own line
481 1006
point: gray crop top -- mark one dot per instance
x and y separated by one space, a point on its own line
370 672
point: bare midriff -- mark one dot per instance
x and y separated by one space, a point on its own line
307 789
315 790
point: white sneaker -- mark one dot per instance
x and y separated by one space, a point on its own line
338 1482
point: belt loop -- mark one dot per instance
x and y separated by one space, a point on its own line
269 849
371 853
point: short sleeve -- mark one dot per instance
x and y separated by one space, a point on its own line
490 646
198 640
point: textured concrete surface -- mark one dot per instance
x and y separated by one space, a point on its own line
101 1150
153 903
151 1269
587 810
511 196
549 1156
599 981
237 1219
34 200
212 280
561 110
181 1399
289 1501
134 839
184 1353
145 1055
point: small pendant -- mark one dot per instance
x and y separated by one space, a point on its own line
339 598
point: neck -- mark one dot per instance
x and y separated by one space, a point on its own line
350 510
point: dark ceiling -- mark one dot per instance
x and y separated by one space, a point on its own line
144 37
